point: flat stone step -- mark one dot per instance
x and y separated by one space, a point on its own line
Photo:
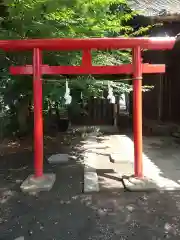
58 158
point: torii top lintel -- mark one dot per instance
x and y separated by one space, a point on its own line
86 45
153 43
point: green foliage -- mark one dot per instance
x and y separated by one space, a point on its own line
62 19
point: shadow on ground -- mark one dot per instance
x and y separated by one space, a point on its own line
65 213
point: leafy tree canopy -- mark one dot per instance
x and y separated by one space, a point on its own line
21 19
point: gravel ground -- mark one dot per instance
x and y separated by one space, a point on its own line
65 213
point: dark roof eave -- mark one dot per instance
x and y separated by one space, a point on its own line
166 18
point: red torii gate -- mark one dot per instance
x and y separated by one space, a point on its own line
37 69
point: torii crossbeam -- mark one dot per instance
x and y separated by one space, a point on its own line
37 69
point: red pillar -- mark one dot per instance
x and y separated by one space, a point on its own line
137 112
38 121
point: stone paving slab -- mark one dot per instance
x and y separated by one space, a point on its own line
119 158
90 160
91 182
58 158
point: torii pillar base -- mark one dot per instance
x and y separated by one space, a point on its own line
134 184
38 184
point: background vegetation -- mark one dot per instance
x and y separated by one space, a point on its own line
22 19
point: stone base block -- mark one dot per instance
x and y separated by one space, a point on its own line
139 184
44 183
